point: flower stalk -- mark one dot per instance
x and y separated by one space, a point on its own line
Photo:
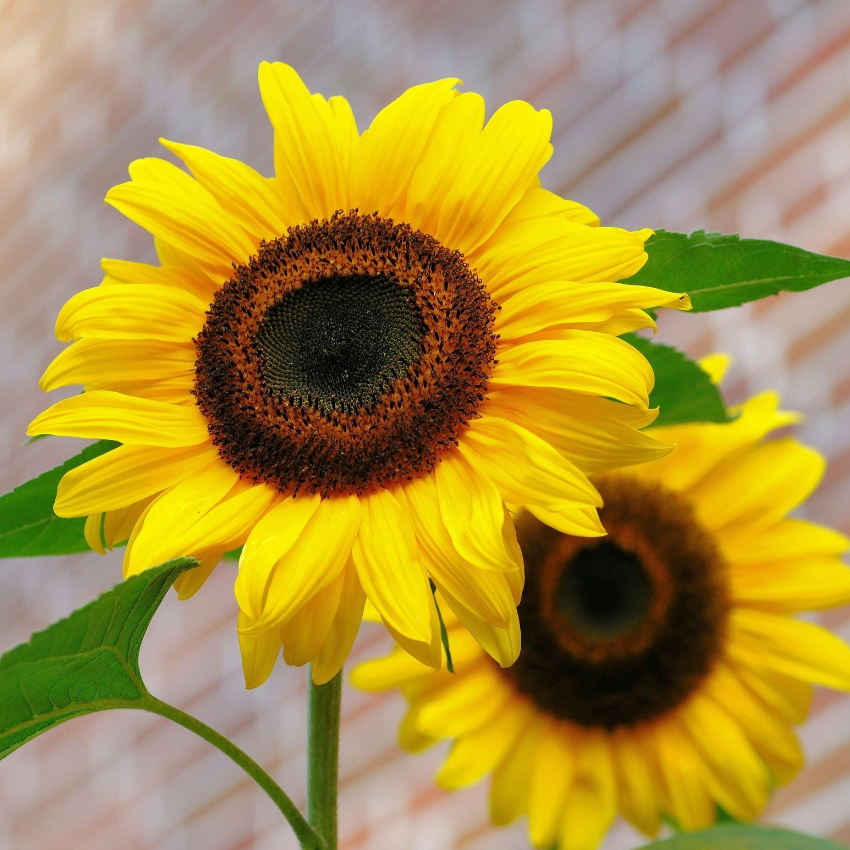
324 703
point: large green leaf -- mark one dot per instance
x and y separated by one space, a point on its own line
740 837
87 662
683 391
720 271
28 525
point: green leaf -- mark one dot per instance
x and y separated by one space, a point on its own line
28 525
741 837
683 391
84 663
720 271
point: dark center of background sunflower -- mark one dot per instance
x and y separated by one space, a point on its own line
604 591
339 339
614 642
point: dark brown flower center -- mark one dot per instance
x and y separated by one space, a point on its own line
619 630
345 356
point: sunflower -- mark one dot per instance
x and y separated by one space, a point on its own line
350 367
662 666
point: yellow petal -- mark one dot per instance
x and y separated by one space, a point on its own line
591 803
554 763
702 446
539 204
639 784
758 486
190 582
132 311
684 776
484 592
343 631
801 584
168 203
468 703
563 303
473 513
315 559
118 524
304 633
225 527
769 733
715 365
509 790
525 469
112 416
787 696
428 652
539 250
243 193
259 653
93 532
458 125
174 513
124 476
191 278
389 566
798 649
789 538
173 259
387 153
381 674
309 140
474 755
270 540
117 360
501 163
582 361
596 434
742 782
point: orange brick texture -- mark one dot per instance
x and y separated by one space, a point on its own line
730 115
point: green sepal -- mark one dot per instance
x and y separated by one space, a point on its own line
683 391
85 663
28 525
743 837
719 270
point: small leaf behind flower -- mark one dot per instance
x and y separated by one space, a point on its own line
28 525
683 391
743 837
719 270
87 662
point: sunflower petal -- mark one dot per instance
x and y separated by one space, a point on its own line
316 557
245 194
502 162
473 514
562 303
308 140
539 204
190 582
468 703
510 787
108 415
582 361
259 652
388 152
801 584
798 649
168 203
191 278
552 773
343 630
458 124
389 567
132 311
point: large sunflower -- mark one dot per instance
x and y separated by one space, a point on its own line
351 366
662 667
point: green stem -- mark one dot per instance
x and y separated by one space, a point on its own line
307 836
323 756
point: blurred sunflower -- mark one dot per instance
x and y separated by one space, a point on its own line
662 667
351 366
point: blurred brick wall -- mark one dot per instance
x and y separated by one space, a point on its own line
724 114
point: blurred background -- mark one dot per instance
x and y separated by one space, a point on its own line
730 115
